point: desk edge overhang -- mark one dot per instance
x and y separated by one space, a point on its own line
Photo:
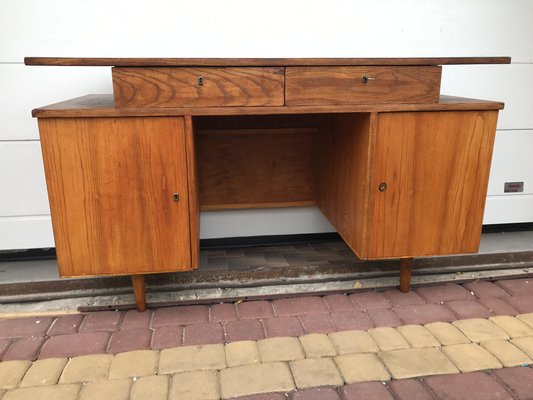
259 62
102 105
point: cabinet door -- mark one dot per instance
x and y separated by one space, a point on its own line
111 185
435 166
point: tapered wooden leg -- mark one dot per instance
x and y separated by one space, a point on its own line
406 266
139 291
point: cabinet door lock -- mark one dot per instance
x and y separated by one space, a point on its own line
366 78
382 187
200 81
176 197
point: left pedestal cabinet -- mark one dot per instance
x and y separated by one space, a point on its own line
120 194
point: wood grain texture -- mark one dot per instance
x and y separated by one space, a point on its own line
192 186
436 166
255 168
345 170
344 85
102 105
178 87
110 185
257 62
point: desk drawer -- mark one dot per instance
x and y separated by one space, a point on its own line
346 85
197 87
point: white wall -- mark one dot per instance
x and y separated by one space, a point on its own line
243 28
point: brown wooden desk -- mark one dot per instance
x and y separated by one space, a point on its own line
399 170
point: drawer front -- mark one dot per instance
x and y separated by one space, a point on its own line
361 85
198 87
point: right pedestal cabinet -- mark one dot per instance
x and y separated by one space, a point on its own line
407 184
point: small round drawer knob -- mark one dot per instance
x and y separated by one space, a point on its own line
382 187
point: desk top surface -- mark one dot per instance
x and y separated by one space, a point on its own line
102 105
258 62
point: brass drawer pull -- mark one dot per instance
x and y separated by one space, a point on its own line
382 187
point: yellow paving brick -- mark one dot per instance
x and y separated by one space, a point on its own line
446 333
44 372
480 330
134 364
388 339
361 368
423 361
512 326
150 388
349 342
418 336
86 368
197 385
508 354
317 345
243 352
11 373
471 357
525 344
52 392
192 358
280 349
314 372
526 318
117 389
254 379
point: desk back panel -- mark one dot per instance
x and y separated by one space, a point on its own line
256 168
257 161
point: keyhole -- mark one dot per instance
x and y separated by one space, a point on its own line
200 81
176 197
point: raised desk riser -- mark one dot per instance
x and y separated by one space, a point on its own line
274 86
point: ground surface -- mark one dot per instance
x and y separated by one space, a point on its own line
438 342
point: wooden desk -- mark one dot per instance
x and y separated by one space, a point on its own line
399 170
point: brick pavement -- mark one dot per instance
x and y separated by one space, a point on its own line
283 255
474 358
112 332
444 342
